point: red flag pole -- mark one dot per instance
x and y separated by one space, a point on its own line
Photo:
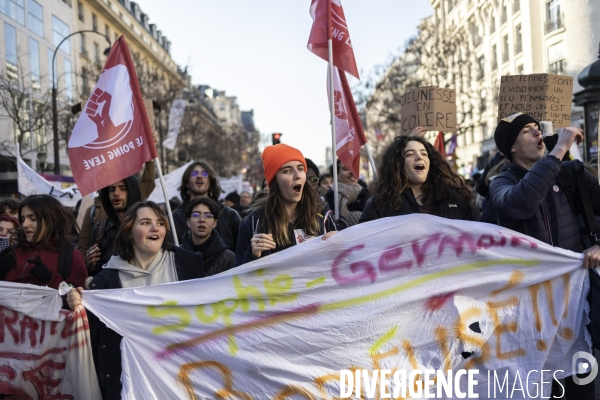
167 205
332 112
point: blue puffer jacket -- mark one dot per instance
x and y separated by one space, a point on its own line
533 203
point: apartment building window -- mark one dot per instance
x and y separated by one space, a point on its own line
493 23
556 59
516 6
554 18
50 54
107 31
36 17
10 49
60 30
485 131
494 57
34 63
518 39
481 64
14 9
82 48
95 22
96 53
80 14
68 80
505 49
520 69
85 85
504 15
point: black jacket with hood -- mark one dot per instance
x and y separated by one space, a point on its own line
106 343
228 227
455 208
217 258
110 226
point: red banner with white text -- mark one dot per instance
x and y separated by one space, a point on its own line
112 138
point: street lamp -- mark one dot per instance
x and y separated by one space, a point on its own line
54 106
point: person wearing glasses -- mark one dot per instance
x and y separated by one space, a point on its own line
289 215
200 180
312 174
202 237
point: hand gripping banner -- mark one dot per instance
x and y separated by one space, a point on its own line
403 293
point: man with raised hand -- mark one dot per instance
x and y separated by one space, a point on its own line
530 199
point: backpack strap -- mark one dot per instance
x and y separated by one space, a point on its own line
65 259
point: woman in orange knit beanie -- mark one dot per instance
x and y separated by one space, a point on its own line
289 215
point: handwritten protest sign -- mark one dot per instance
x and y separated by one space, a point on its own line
45 351
431 107
416 292
546 97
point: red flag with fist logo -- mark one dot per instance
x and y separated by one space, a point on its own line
343 55
349 134
112 138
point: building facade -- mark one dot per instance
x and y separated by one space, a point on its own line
480 41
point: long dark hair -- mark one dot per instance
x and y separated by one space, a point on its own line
214 189
58 223
392 179
124 240
275 218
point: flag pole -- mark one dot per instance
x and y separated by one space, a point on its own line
167 205
332 113
371 161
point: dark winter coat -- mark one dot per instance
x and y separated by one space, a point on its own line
106 343
228 227
252 225
488 211
456 208
217 257
110 226
532 202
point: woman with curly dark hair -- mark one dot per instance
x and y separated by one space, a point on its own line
413 178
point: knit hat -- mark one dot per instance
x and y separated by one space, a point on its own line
277 155
233 197
508 130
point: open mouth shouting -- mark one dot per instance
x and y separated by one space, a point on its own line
420 167
297 189
153 238
540 144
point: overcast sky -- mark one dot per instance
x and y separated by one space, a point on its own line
256 51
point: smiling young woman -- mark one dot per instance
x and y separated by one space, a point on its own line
289 215
144 259
414 178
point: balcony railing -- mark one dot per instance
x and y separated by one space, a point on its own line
554 23
558 67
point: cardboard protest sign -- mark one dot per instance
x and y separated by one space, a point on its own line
416 292
546 97
431 107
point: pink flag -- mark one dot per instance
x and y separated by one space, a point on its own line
343 55
439 144
349 134
112 138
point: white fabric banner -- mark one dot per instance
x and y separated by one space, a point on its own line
233 184
30 182
175 118
45 351
412 292
172 182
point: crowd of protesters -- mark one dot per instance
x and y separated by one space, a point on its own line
125 241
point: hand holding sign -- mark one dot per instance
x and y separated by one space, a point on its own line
106 128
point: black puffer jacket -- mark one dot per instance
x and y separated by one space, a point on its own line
217 257
106 343
110 226
252 224
533 203
457 208
228 227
